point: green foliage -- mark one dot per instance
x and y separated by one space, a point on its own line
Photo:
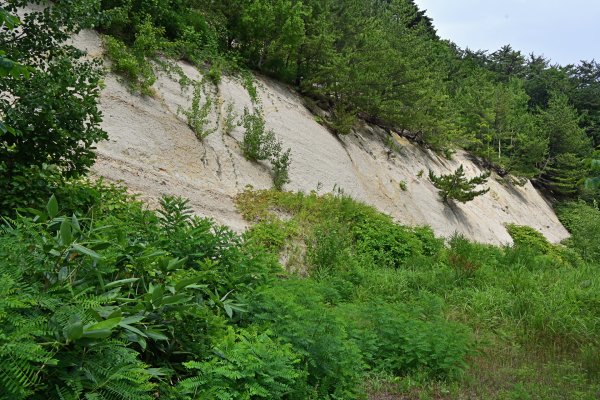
457 187
528 237
246 365
342 121
47 133
102 299
197 115
21 324
568 146
294 311
229 121
88 297
260 144
594 181
281 163
136 70
395 340
465 257
582 221
387 244
403 299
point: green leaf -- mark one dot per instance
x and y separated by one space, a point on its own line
66 235
228 310
132 329
97 334
176 263
120 283
75 224
156 335
186 282
84 250
74 330
177 299
132 320
52 207
107 324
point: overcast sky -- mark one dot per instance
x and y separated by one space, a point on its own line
566 31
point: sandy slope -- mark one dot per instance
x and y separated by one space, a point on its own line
152 150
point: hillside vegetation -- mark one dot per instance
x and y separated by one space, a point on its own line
381 60
322 297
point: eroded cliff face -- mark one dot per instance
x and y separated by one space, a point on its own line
154 152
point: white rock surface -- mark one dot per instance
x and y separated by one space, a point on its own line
153 151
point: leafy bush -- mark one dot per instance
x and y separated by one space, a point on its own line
122 285
197 115
246 365
136 70
342 121
465 257
47 132
229 121
397 341
295 312
281 164
260 144
583 222
387 244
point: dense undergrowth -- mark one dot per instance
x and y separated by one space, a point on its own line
525 316
102 299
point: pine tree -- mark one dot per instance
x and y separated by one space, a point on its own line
457 187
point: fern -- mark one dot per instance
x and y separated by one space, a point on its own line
21 358
249 366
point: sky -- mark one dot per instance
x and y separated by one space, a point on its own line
565 31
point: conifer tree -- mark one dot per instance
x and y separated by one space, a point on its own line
456 186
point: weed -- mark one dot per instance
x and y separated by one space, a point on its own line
392 144
197 115
260 144
248 82
135 68
229 121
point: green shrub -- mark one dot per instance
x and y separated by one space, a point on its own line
272 234
328 246
465 257
50 121
295 311
229 121
93 293
396 341
135 68
260 144
197 115
245 365
583 222
528 237
342 120
386 244
250 86
281 164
